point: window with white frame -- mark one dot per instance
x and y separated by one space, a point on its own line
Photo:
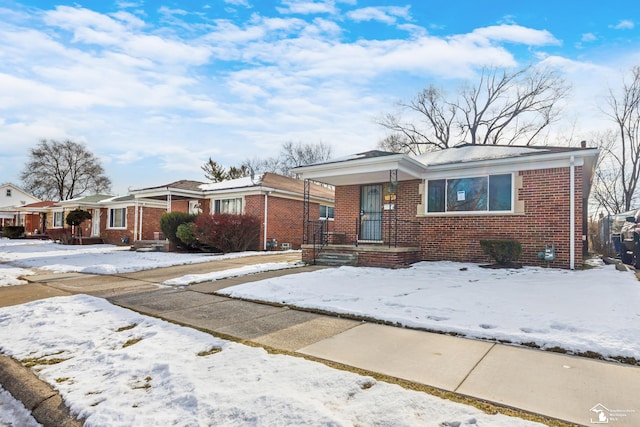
491 193
58 219
326 212
229 206
118 218
8 192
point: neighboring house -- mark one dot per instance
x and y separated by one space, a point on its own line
114 219
91 203
394 209
11 199
278 201
35 217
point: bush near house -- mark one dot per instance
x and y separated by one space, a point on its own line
185 234
13 231
76 217
169 223
62 235
227 232
504 252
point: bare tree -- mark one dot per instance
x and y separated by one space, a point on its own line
606 190
300 154
291 155
502 108
624 154
62 171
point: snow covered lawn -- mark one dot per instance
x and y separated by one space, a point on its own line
116 367
590 310
13 412
95 259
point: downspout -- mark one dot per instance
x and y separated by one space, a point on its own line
266 212
140 218
168 200
572 212
135 220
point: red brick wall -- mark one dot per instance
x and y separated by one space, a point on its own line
284 221
150 224
545 194
179 206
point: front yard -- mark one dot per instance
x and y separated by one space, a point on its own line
590 311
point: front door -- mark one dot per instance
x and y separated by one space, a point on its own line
371 212
95 223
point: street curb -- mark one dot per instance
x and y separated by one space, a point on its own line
45 403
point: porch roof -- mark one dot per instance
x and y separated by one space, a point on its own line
363 168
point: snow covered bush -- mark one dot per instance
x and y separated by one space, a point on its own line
227 232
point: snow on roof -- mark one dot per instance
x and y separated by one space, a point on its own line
357 156
232 183
471 153
87 199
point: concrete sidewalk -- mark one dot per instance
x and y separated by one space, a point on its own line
553 385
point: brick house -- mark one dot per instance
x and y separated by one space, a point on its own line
34 217
392 209
114 219
278 201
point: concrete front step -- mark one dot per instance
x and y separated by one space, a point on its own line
337 259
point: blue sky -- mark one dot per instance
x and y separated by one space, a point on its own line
155 88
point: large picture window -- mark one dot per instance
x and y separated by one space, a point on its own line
118 218
493 193
229 206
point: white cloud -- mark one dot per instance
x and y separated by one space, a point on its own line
304 7
159 98
386 14
244 3
589 37
624 24
514 34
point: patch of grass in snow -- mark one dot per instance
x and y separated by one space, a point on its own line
45 359
145 386
530 344
131 342
62 380
126 328
367 385
212 350
627 360
557 349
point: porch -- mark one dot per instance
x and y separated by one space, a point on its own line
363 255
